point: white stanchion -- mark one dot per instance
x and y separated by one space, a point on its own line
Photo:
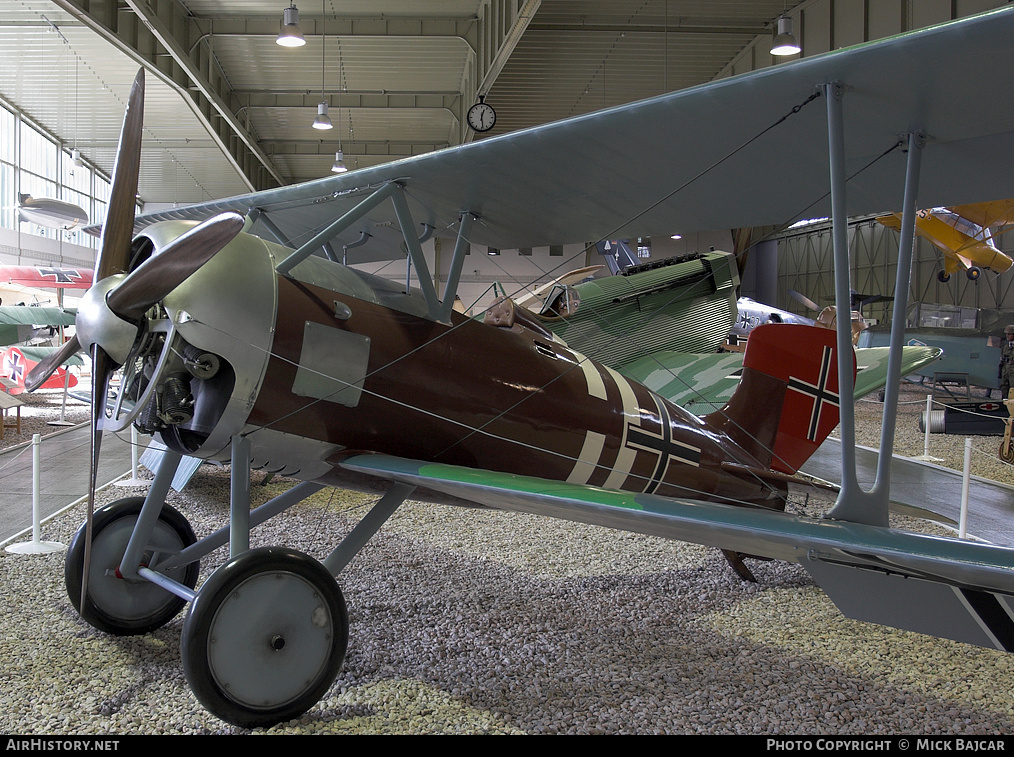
134 464
36 546
926 456
963 519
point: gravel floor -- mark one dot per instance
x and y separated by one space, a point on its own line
483 622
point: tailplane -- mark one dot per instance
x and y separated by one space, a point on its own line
787 400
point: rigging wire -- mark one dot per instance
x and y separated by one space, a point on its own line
482 429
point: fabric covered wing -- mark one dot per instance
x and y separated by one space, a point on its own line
705 166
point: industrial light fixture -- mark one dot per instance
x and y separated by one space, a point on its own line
322 121
339 157
784 42
290 35
75 156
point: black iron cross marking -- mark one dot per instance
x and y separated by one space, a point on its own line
819 392
61 275
667 448
15 366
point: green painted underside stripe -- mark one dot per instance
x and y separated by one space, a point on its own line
506 482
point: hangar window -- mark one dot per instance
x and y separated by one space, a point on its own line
33 162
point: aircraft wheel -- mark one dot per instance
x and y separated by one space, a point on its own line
943 277
117 605
973 273
1009 456
265 637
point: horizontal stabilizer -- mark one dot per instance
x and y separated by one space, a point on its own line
702 383
971 616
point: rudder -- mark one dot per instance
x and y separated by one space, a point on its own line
787 401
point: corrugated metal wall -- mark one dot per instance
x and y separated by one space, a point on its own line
804 265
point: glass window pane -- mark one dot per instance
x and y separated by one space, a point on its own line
38 153
7 198
6 136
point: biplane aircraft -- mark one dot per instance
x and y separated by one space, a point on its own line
267 352
964 234
24 289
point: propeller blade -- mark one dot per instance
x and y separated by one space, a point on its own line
181 258
102 370
118 228
804 300
113 257
44 369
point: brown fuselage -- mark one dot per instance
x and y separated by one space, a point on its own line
503 399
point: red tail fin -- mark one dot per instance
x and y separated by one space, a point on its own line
15 365
787 400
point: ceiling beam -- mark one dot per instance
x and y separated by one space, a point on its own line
150 12
142 35
378 147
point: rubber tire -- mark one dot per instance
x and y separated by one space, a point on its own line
259 597
973 273
1009 458
943 277
115 605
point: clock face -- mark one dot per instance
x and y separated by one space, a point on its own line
481 117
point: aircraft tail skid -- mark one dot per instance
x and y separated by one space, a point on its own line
787 401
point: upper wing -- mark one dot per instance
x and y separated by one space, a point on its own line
705 166
45 277
948 587
702 383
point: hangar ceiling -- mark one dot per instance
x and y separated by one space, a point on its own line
229 111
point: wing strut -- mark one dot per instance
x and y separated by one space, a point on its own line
401 210
395 192
260 215
457 261
337 227
854 504
367 527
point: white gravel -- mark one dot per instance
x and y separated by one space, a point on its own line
466 621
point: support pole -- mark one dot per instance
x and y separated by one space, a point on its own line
882 485
853 504
259 215
833 94
965 476
36 546
140 537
